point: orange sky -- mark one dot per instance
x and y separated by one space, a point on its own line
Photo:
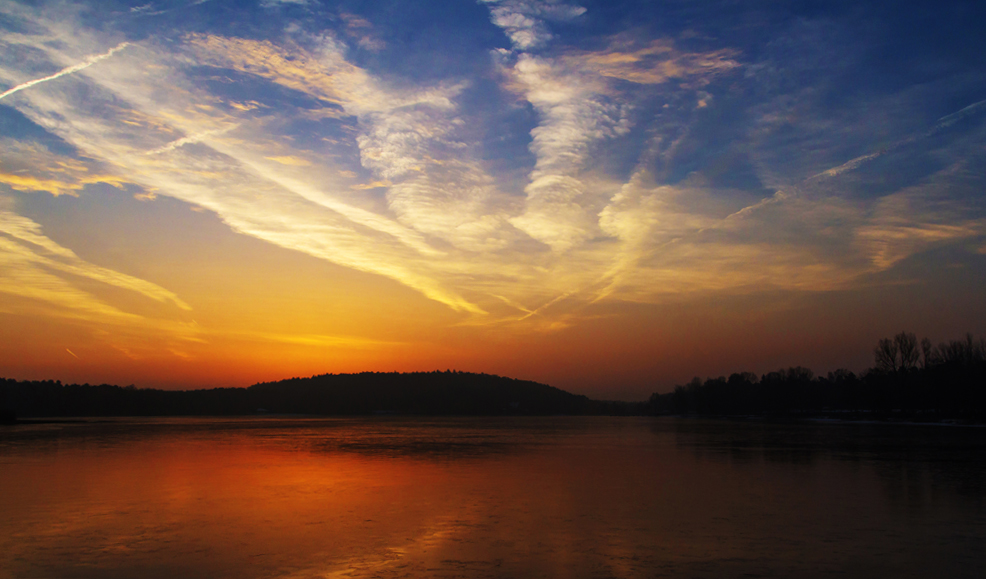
258 313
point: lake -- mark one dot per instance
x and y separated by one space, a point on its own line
490 497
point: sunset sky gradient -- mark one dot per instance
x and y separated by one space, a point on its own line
609 197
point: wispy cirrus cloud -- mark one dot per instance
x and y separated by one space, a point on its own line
916 218
28 166
574 113
652 62
578 107
196 179
405 137
34 267
396 184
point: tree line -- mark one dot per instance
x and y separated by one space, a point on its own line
911 379
367 393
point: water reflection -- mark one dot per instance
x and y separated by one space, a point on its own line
451 438
911 460
555 497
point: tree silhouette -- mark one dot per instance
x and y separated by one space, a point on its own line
949 383
907 346
900 353
927 353
886 354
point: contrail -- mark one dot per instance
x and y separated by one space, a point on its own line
852 164
955 117
71 352
942 124
74 68
190 139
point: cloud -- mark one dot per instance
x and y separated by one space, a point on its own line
670 243
279 3
289 160
574 112
957 116
24 239
51 278
395 181
915 219
196 138
890 242
67 70
27 166
577 107
655 62
942 124
339 235
370 185
360 30
523 20
404 137
313 340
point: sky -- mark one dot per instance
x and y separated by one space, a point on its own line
609 197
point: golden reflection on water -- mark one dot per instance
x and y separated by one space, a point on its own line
460 498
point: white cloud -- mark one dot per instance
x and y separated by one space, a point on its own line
574 112
428 213
522 20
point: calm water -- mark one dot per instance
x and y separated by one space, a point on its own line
534 497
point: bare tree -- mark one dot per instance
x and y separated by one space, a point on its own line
907 346
928 356
977 349
886 355
963 352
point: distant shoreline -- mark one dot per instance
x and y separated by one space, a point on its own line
366 394
913 382
814 420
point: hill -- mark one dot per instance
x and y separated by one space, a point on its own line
422 393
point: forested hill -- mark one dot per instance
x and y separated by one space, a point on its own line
426 393
416 393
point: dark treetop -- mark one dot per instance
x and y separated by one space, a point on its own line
911 381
